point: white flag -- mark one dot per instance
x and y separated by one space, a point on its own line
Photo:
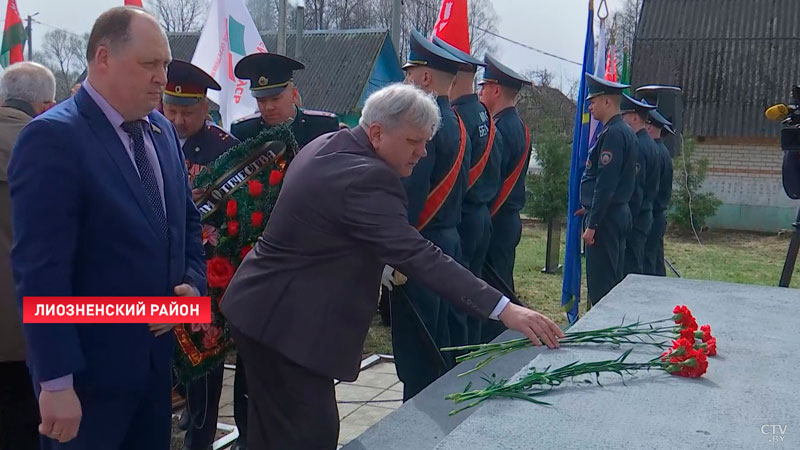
228 36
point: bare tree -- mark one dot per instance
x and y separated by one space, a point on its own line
482 18
65 55
316 14
180 15
623 24
264 13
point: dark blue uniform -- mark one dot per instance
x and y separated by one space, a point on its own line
654 247
641 203
606 188
307 125
442 230
506 224
475 229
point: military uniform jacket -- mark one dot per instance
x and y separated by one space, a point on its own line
203 147
647 177
514 141
610 172
664 194
306 126
442 151
340 216
477 120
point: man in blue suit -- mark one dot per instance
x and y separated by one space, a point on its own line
102 207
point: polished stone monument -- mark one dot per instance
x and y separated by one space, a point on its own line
747 399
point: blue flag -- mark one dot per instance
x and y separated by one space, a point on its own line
571 288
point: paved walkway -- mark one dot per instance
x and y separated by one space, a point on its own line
375 394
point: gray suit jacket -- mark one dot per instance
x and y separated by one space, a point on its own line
310 288
12 342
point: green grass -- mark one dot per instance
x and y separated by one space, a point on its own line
734 257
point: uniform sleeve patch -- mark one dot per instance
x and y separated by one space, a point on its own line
605 157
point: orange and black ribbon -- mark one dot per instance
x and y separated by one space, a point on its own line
476 170
511 180
441 192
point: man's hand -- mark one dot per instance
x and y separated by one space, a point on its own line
197 193
181 290
61 414
588 236
387 279
580 212
537 327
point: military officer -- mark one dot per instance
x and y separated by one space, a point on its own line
657 125
272 85
498 91
483 182
435 191
606 188
648 171
186 106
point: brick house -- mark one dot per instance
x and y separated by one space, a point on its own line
732 59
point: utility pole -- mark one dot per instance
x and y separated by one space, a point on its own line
396 11
298 37
282 27
30 36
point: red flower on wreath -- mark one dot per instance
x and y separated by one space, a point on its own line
255 188
275 177
233 228
220 271
256 218
232 208
195 327
245 250
211 337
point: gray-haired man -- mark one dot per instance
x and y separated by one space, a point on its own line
26 90
340 217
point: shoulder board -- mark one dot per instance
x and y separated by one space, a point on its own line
313 112
247 118
216 131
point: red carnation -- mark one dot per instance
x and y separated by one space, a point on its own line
256 218
687 334
233 228
711 346
245 250
232 208
275 177
706 329
683 317
220 271
255 188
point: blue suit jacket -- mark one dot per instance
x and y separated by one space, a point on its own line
83 227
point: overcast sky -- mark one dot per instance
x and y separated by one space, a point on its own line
555 26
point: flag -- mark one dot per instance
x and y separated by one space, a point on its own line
571 287
611 65
452 25
133 3
595 127
625 76
13 36
228 36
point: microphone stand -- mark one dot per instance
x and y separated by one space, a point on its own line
791 255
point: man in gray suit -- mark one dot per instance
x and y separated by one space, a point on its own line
301 303
27 89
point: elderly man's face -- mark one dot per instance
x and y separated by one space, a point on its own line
188 120
137 71
280 108
400 146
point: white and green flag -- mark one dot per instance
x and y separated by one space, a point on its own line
228 36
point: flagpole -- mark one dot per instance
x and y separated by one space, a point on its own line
282 27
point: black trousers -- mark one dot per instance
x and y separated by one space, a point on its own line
290 407
202 403
240 401
19 410
634 247
605 260
654 247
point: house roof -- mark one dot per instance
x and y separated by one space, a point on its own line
732 58
338 63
